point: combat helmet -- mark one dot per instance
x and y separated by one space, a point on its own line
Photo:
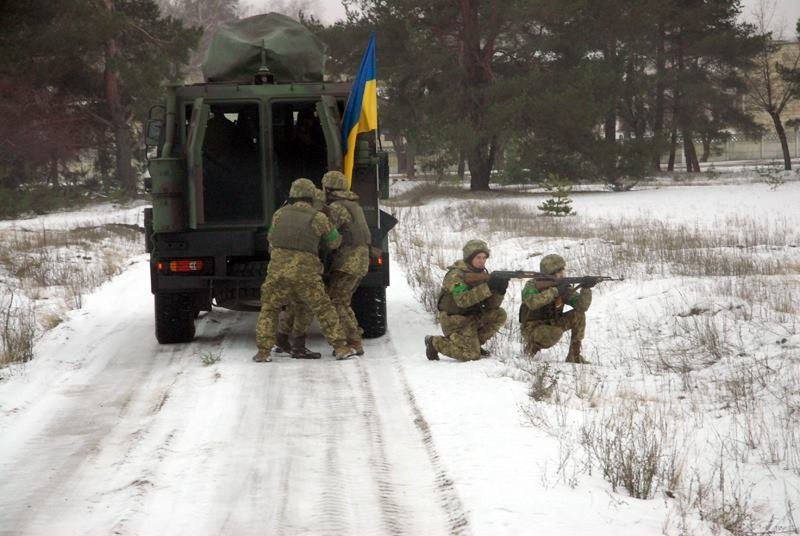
473 247
302 189
551 264
334 180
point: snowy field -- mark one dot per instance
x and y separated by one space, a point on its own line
692 400
686 422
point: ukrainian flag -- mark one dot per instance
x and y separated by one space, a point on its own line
361 112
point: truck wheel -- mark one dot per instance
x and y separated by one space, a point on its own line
174 318
369 306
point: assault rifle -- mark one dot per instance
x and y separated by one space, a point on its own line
543 280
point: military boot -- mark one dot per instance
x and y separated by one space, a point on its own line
299 350
574 354
430 349
262 356
282 344
357 346
343 352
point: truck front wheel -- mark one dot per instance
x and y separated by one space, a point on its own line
369 306
175 315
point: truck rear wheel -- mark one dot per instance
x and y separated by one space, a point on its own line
369 306
175 315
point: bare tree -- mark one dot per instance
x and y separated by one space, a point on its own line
768 89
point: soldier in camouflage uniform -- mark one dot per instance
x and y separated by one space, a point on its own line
469 307
296 317
295 271
542 315
350 262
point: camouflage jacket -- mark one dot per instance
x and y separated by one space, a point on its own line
349 259
458 298
296 264
545 305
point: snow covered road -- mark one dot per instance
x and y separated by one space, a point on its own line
107 432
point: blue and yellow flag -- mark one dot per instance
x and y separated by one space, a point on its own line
361 112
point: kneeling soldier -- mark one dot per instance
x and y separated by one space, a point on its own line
542 315
469 307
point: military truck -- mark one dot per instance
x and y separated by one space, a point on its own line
222 155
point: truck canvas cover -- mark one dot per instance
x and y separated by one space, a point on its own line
292 52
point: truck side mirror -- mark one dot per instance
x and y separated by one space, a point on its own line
154 132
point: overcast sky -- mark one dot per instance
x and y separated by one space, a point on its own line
784 20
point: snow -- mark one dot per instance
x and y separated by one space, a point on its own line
107 432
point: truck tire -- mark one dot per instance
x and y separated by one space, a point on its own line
369 306
175 315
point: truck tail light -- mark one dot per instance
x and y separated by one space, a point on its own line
183 266
186 265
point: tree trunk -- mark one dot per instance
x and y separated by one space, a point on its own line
787 157
480 160
706 148
411 165
689 153
658 121
400 153
119 119
673 143
461 167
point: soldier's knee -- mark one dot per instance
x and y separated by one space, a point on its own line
546 336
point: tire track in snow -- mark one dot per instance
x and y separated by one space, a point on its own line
382 468
448 496
332 508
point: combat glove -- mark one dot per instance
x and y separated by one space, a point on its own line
564 291
498 284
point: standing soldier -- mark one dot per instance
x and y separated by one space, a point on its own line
469 307
296 317
542 315
350 262
295 271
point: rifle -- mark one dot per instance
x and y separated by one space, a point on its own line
546 281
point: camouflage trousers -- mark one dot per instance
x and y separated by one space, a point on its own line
295 320
540 334
341 287
305 290
464 335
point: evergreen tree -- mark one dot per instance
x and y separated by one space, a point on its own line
95 67
559 203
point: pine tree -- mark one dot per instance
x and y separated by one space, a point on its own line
559 204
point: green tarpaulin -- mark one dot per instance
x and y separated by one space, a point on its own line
293 53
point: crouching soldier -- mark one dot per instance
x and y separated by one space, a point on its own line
469 307
542 315
295 271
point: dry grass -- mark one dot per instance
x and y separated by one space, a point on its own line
717 369
62 266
